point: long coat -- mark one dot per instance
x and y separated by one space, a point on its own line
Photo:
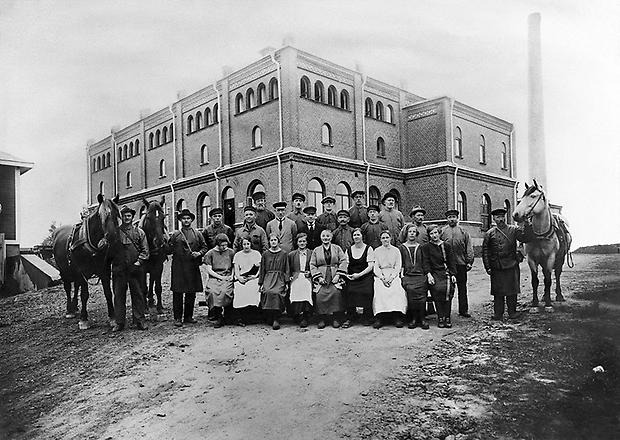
186 275
499 255
339 262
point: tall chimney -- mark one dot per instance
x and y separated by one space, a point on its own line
536 124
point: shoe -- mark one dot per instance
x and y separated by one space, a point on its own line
447 323
440 323
240 323
412 325
190 321
336 323
496 318
366 322
346 324
377 324
218 323
399 323
321 325
303 323
141 326
178 323
276 325
118 328
465 315
424 325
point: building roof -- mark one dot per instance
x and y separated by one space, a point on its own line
12 161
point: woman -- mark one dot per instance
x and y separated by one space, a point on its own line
414 279
360 288
389 293
440 269
272 281
301 281
327 264
246 264
219 261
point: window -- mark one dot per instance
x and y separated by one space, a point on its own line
99 163
273 89
380 147
389 114
344 100
257 137
164 134
485 212
379 111
343 196
107 159
151 137
508 210
332 96
95 165
157 138
190 124
102 188
120 154
131 153
461 205
304 87
250 99
137 147
458 142
326 135
238 103
368 108
124 151
204 155
199 120
128 179
162 168
374 195
316 192
262 94
203 206
171 132
216 114
483 150
253 187
181 205
504 157
318 91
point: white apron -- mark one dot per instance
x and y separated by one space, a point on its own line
246 294
389 299
301 289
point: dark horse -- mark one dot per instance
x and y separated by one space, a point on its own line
549 243
81 251
153 225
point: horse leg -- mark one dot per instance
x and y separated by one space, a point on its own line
107 291
157 285
70 306
558 288
83 324
547 296
535 282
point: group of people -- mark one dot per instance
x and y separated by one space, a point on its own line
362 265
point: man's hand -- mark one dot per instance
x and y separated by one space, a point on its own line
430 279
195 254
468 266
489 271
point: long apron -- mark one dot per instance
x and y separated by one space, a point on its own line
246 294
389 299
360 291
329 299
219 292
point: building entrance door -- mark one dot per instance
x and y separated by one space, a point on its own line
229 207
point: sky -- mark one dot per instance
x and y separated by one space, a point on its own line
72 70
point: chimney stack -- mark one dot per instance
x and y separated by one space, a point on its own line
536 127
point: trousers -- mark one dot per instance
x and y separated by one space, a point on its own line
122 279
498 304
461 285
183 308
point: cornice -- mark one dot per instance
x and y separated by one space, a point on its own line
128 132
197 99
463 111
157 118
256 70
314 64
382 89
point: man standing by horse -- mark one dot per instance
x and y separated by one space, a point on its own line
129 255
217 226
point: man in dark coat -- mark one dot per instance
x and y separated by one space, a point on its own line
187 246
343 234
217 226
417 216
250 229
129 255
263 215
298 215
372 229
311 228
328 219
358 212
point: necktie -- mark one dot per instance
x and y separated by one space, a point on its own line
280 225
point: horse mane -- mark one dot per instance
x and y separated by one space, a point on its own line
530 190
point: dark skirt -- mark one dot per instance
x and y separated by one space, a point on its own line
329 300
299 307
359 292
505 282
443 289
417 290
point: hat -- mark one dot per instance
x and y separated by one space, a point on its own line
215 211
258 195
343 212
309 210
279 205
299 196
126 208
249 208
221 238
185 212
359 191
498 211
417 208
388 195
328 199
452 212
373 208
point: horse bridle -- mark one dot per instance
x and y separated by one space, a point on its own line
529 213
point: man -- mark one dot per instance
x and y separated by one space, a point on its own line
328 219
392 217
358 212
250 229
283 227
263 215
372 229
458 238
417 216
499 255
187 246
217 226
311 228
128 258
298 215
343 234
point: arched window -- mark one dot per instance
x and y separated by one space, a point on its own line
326 135
254 187
216 114
208 119
368 108
199 120
343 196
461 205
204 155
262 94
344 100
181 205
107 159
102 188
162 168
151 137
380 147
131 153
374 196
250 99
318 91
98 163
238 103
164 134
389 114
508 210
157 138
171 132
316 192
137 147
128 179
304 87
203 206
379 110
190 124
124 151
257 137
504 157
95 165
332 96
483 150
485 212
119 154
228 204
273 89
458 142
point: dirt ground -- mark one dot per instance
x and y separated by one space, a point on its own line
527 379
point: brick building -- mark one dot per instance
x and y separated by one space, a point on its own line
294 122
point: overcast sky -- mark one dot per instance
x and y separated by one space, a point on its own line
70 70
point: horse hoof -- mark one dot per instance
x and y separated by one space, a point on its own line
70 315
548 309
83 325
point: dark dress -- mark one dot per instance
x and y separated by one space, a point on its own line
273 277
414 280
438 260
360 291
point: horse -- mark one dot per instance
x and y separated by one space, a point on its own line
81 251
547 242
153 225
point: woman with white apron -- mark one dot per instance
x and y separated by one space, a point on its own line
389 296
300 296
246 263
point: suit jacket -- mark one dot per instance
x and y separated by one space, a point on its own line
314 237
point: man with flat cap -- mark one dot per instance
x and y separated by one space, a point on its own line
328 219
358 212
297 215
311 228
499 255
128 258
463 250
343 234
263 215
251 230
187 246
392 217
417 214
372 229
217 226
283 227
